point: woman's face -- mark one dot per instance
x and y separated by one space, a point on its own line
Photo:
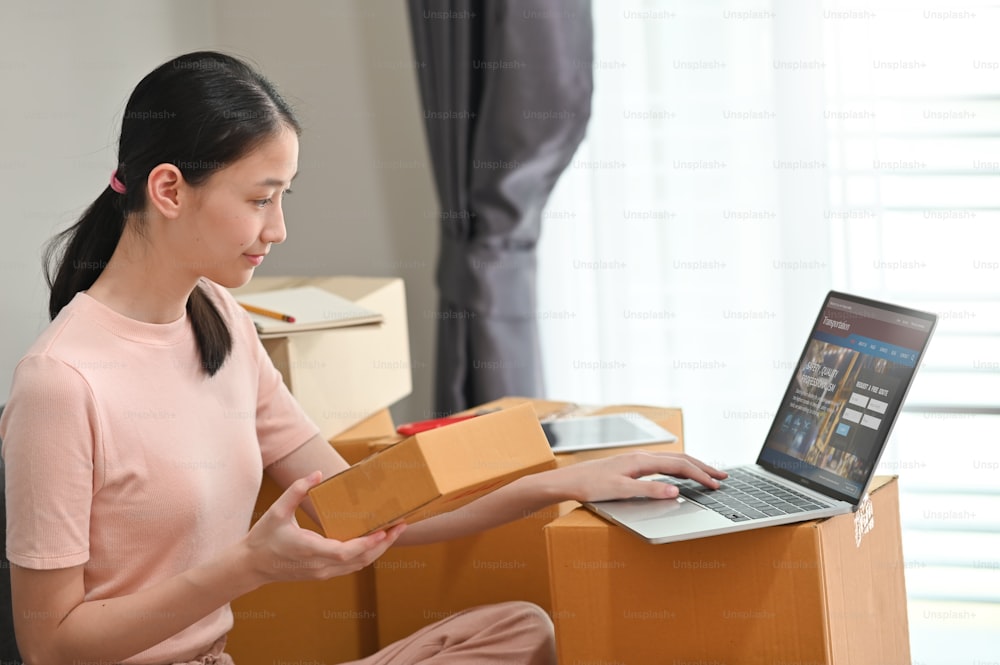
232 219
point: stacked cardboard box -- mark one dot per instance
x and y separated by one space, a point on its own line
345 378
312 622
416 586
432 472
826 592
342 376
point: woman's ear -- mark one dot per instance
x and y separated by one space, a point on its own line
163 189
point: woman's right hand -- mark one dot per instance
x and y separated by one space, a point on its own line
279 549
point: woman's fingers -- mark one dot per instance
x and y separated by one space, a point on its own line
294 495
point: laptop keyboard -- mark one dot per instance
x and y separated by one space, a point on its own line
746 495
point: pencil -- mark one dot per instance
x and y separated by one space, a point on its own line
267 312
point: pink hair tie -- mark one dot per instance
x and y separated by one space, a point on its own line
117 184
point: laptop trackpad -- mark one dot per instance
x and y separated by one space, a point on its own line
654 518
641 510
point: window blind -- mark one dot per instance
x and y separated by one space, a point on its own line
913 128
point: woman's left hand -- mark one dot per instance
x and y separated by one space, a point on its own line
617 477
595 480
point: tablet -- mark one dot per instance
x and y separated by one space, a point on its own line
605 431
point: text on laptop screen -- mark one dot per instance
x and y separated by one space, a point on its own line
849 384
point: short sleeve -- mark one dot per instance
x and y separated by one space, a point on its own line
282 423
49 431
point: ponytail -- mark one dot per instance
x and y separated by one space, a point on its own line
210 331
77 256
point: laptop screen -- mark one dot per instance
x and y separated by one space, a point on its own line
848 386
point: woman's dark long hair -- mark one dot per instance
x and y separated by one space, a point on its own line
200 112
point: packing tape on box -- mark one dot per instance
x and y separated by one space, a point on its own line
864 519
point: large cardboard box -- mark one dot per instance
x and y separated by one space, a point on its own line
432 472
827 592
312 622
343 375
416 586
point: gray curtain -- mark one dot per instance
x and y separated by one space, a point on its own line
506 88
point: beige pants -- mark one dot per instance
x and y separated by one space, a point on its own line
502 634
513 633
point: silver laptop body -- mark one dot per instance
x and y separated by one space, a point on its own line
825 441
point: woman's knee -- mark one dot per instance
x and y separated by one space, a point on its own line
530 625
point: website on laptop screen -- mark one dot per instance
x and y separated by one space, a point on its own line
849 384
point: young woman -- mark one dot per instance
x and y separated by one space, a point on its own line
131 467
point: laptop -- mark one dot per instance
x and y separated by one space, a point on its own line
826 438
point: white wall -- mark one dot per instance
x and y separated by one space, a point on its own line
364 201
66 71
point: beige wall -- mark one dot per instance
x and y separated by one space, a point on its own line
363 203
66 71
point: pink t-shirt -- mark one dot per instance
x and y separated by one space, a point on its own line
123 455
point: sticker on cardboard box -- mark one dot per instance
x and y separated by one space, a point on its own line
864 519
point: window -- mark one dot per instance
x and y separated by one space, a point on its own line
739 163
913 125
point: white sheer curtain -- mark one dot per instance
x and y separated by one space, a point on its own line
686 248
739 163
914 132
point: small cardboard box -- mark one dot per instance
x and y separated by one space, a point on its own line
344 375
332 621
432 472
825 592
418 585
